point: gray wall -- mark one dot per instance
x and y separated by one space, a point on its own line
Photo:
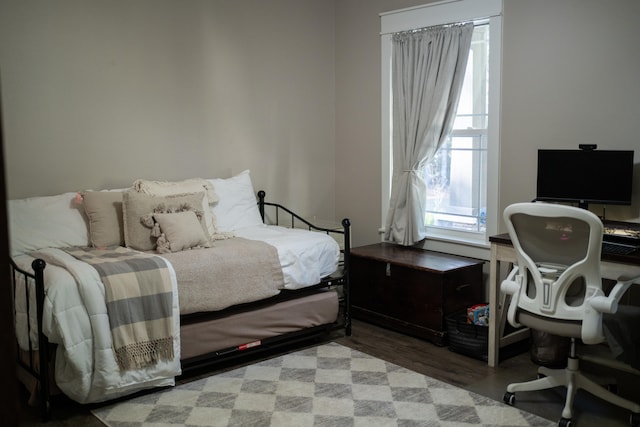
98 93
571 75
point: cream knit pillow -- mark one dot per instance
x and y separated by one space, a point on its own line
138 208
192 185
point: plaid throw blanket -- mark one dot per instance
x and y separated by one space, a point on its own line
139 303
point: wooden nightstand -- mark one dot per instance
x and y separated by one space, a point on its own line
412 290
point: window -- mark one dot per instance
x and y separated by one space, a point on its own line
462 178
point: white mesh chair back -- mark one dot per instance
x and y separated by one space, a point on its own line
558 269
556 287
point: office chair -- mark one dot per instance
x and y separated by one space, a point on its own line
556 287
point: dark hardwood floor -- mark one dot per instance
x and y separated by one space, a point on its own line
426 358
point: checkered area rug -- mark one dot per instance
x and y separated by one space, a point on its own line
328 385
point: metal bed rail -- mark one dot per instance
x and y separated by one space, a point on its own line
37 360
344 231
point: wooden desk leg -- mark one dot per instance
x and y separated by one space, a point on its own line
495 315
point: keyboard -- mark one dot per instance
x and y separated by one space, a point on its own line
618 248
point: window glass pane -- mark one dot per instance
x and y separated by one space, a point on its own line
473 104
460 143
456 186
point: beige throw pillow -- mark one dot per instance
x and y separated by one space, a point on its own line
180 231
138 209
104 210
192 185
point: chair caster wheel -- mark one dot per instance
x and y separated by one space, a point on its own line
509 398
565 422
634 419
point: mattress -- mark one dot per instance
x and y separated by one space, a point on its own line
245 328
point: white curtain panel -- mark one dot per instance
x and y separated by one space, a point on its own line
428 69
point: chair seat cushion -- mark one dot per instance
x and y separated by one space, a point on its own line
563 328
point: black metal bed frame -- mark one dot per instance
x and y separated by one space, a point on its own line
345 231
38 365
32 365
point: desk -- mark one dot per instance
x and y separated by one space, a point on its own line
612 267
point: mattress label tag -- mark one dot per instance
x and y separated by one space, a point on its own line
249 345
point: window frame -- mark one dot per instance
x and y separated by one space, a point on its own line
439 13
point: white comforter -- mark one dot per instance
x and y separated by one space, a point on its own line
306 257
75 318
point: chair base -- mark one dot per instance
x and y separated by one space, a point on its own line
571 378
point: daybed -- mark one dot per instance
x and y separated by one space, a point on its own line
133 287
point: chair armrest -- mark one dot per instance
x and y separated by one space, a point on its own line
512 286
592 321
621 286
604 304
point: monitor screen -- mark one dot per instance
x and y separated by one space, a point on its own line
585 176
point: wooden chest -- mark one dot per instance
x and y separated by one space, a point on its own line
412 290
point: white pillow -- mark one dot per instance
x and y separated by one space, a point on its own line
237 205
46 222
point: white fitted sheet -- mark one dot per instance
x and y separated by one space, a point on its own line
305 256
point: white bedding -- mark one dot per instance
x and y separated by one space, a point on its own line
88 376
305 256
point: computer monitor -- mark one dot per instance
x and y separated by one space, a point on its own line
585 176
